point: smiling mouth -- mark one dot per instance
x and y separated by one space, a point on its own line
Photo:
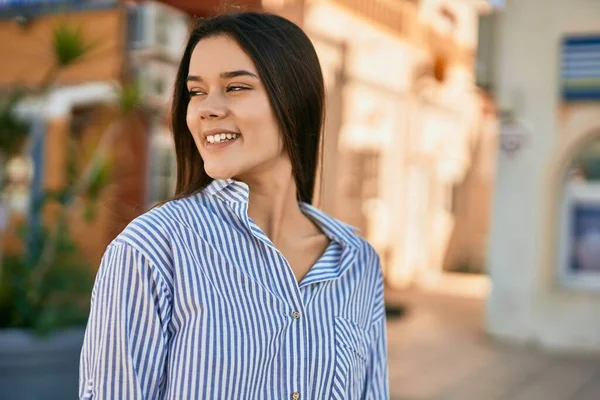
222 138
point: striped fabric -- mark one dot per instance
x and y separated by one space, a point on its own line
581 68
193 301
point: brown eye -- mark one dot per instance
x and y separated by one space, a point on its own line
237 88
195 92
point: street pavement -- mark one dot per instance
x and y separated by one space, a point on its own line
439 351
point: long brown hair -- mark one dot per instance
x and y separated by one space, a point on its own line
289 68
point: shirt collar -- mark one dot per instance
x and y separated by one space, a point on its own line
234 191
334 229
229 190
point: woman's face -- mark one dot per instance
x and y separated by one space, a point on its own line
229 114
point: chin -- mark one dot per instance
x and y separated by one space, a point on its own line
218 173
218 176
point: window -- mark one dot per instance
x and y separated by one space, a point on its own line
162 26
162 172
579 229
135 26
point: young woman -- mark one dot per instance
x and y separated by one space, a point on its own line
238 288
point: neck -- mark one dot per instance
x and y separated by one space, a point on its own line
273 204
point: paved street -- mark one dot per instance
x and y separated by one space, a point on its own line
438 351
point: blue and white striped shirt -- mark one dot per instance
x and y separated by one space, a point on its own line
193 301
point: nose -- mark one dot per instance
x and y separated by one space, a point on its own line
213 107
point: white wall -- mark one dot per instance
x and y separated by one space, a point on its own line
526 303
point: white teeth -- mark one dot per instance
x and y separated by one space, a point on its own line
220 137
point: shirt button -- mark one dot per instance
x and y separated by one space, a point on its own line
295 395
296 315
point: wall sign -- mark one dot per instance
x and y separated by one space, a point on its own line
580 68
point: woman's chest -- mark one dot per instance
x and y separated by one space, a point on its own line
239 315
320 349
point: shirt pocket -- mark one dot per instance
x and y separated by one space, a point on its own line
351 359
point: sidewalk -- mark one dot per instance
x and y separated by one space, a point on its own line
438 351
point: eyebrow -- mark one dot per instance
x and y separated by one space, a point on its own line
224 75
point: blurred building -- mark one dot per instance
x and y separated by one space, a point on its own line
80 104
544 254
410 136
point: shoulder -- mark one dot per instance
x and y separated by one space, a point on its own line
365 253
158 225
146 231
346 234
351 235
368 255
155 233
368 251
368 263
152 237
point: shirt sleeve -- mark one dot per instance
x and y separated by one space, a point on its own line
378 376
126 340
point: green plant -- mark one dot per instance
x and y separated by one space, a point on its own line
129 97
45 300
69 45
48 286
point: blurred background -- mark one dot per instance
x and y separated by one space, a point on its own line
462 139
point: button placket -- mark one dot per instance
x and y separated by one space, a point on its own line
299 328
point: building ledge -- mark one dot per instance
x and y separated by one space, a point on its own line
23 11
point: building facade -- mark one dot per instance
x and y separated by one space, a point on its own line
410 138
543 257
78 106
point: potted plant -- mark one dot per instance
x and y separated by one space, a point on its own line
46 284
